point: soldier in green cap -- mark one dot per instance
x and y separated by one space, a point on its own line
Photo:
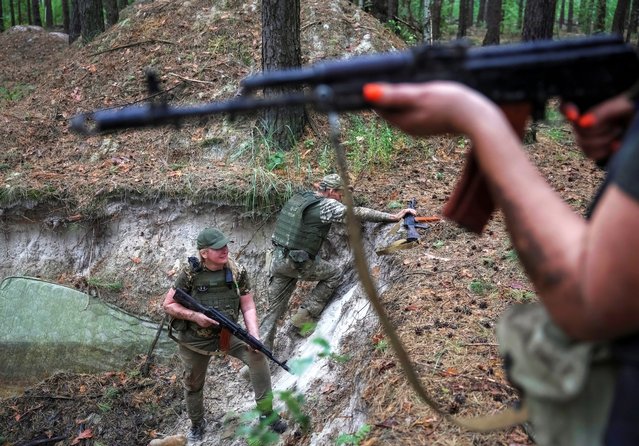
216 280
300 229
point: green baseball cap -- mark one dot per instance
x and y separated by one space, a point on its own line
211 238
332 181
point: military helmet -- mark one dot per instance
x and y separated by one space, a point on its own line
332 181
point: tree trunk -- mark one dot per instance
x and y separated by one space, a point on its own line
471 14
1 17
634 16
621 15
19 12
66 23
493 22
481 12
48 14
393 6
111 10
436 17
35 6
379 9
520 14
12 12
539 18
91 19
281 49
463 19
122 4
28 5
562 14
571 13
427 28
600 18
75 26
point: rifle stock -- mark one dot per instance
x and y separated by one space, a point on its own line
186 300
584 71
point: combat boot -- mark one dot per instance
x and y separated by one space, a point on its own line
278 425
197 431
301 317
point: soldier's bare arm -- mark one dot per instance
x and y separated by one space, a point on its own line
173 308
585 273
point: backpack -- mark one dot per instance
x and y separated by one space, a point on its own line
567 386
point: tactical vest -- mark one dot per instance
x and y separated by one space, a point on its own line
298 225
217 289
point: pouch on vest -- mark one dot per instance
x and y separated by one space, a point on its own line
179 325
567 386
299 255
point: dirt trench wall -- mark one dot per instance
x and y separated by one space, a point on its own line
139 245
143 244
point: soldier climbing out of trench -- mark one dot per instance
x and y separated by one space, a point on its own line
301 228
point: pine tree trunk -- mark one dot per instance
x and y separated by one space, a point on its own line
620 17
35 6
66 20
493 22
48 14
111 10
91 19
600 18
281 49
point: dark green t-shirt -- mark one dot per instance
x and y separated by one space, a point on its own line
626 175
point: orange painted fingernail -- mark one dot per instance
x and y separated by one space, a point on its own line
571 112
587 120
372 92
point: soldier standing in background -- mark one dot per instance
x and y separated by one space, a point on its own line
217 281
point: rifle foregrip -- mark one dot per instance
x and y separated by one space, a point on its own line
471 204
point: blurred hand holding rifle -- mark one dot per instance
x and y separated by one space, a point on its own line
520 77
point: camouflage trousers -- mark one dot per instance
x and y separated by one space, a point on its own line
284 275
196 364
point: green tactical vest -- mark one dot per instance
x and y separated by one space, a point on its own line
298 225
216 289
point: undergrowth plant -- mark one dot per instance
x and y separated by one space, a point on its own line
354 439
370 142
260 434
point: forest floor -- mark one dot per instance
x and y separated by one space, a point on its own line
449 291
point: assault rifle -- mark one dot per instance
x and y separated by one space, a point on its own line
521 77
411 224
184 299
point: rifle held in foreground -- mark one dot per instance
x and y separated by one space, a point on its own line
186 300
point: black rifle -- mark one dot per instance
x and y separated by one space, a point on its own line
411 225
521 77
584 71
184 299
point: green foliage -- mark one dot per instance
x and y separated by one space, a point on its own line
276 160
403 31
105 284
479 287
259 433
522 296
511 256
382 345
354 439
16 93
370 142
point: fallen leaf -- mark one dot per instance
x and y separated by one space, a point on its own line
87 433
